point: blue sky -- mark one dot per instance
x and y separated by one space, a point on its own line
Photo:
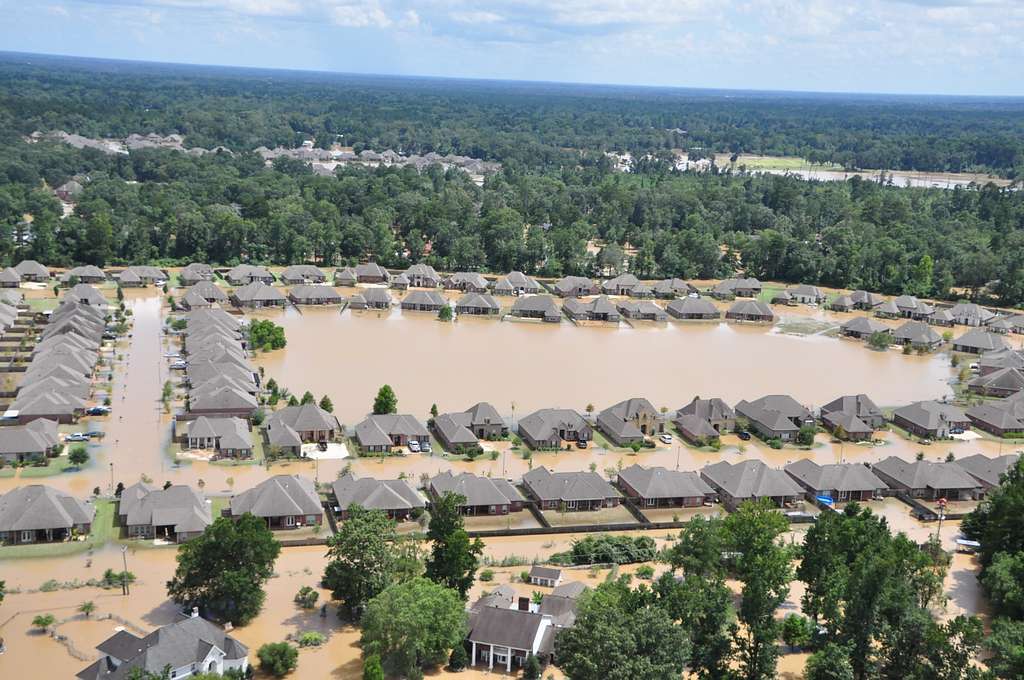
908 46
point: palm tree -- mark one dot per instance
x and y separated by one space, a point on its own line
43 621
87 608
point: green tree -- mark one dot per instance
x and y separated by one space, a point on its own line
413 624
223 570
445 313
635 638
362 560
43 621
267 335
306 597
458 659
278 658
796 631
372 670
1003 580
1006 645
702 602
78 456
87 608
996 522
454 558
831 662
386 401
308 398
805 437
326 404
879 340
531 668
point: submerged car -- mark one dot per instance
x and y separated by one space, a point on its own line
665 438
745 436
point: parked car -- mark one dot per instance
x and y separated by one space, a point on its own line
97 411
414 446
745 436
581 444
321 446
956 430
425 448
665 438
178 365
76 437
95 434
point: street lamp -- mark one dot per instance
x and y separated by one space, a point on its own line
111 478
125 590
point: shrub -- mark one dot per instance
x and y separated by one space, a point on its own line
459 659
278 658
312 638
645 571
487 575
306 597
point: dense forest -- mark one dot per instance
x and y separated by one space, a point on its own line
538 214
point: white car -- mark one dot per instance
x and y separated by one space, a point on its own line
414 446
665 438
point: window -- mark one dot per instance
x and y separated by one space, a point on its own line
310 519
289 521
26 536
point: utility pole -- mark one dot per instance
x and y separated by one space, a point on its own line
942 515
111 478
125 590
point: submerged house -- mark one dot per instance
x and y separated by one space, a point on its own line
927 479
541 307
306 294
630 421
422 276
917 334
258 294
467 282
423 301
549 427
465 429
1001 383
988 471
395 497
38 513
302 273
855 416
775 416
516 283
863 327
596 309
177 513
657 487
284 501
750 480
483 495
978 340
733 288
695 309
641 310
933 419
840 481
575 286
672 288
569 491
750 310
378 433
479 304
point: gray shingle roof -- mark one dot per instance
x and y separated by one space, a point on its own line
539 425
980 340
476 490
929 415
988 470
377 430
689 306
37 507
750 479
568 486
865 326
278 496
658 482
179 506
618 418
926 474
850 477
917 333
376 494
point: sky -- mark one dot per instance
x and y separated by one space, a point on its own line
890 46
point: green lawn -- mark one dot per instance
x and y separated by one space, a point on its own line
42 304
103 531
769 292
54 466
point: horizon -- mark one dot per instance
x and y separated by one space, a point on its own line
954 48
10 55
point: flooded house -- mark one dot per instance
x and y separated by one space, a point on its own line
507 636
463 430
843 304
988 471
841 482
750 310
595 309
887 310
195 272
863 327
394 497
693 309
569 491
346 276
978 341
422 276
545 577
750 480
541 307
478 304
184 647
228 437
86 295
575 286
30 270
36 441
38 514
484 495
245 274
193 300
225 401
516 283
467 282
620 285
910 307
302 423
302 274
641 310
941 317
971 314
399 282
371 298
933 419
88 273
371 272
630 421
547 428
807 294
423 301
734 288
673 288
719 416
657 487
865 300
177 513
927 479
1002 419
9 278
256 295
853 416
775 416
284 501
209 291
378 433
307 294
917 335
1001 383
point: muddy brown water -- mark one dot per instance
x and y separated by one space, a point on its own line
349 355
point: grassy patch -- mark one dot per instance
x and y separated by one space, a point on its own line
54 466
769 292
47 304
601 440
217 504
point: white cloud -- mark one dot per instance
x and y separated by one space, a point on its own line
476 17
360 15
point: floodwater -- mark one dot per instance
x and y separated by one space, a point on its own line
349 355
